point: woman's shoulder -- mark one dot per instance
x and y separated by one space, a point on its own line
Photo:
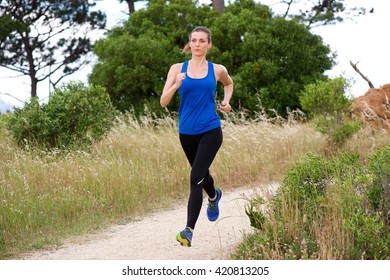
219 68
177 66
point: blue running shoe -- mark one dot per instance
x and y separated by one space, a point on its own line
212 208
185 237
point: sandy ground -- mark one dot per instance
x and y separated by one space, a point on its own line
153 236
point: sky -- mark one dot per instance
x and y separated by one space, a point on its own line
362 41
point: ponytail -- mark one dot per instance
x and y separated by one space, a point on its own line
186 48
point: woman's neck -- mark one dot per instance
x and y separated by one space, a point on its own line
198 61
197 67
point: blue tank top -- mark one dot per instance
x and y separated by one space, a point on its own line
197 111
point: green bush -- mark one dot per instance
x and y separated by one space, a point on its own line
325 98
327 105
326 208
305 181
379 191
337 132
370 236
342 132
74 117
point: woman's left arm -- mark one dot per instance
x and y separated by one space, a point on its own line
223 76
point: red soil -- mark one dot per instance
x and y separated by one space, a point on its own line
373 108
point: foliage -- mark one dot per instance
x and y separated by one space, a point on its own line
341 133
326 103
326 98
8 25
323 12
74 116
379 193
36 32
324 209
131 77
256 218
306 180
269 58
134 58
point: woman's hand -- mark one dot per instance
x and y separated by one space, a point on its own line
225 107
179 79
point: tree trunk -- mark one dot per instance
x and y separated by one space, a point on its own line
130 3
31 72
33 86
218 5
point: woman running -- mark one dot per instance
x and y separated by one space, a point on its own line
200 130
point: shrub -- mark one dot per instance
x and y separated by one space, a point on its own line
327 105
74 116
325 98
305 181
342 132
333 208
379 191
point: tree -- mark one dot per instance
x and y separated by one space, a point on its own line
46 37
269 58
325 12
130 4
218 5
134 59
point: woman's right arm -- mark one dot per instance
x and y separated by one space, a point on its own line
172 84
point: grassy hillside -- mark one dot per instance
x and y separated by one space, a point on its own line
138 167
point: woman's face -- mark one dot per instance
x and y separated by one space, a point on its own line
199 43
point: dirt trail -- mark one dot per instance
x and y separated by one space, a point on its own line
153 237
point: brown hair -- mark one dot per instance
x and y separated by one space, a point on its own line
197 29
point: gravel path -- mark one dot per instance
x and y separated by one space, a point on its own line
153 236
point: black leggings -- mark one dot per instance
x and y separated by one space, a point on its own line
200 151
